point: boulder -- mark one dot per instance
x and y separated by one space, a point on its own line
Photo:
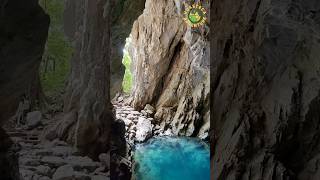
43 170
143 112
144 129
63 173
149 109
33 119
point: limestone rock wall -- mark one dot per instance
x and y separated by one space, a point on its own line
265 89
88 114
171 69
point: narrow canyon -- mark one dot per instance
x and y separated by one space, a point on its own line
127 90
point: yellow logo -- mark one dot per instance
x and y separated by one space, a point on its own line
195 15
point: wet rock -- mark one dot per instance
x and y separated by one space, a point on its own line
168 133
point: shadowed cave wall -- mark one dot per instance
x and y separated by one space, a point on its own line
23 33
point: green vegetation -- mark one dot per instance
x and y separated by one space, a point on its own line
127 79
55 64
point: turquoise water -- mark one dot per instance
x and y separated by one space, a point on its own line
172 158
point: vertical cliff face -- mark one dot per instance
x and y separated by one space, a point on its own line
87 106
265 89
23 33
171 69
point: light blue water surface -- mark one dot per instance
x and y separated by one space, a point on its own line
172 158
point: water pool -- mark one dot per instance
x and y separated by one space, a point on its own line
172 158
